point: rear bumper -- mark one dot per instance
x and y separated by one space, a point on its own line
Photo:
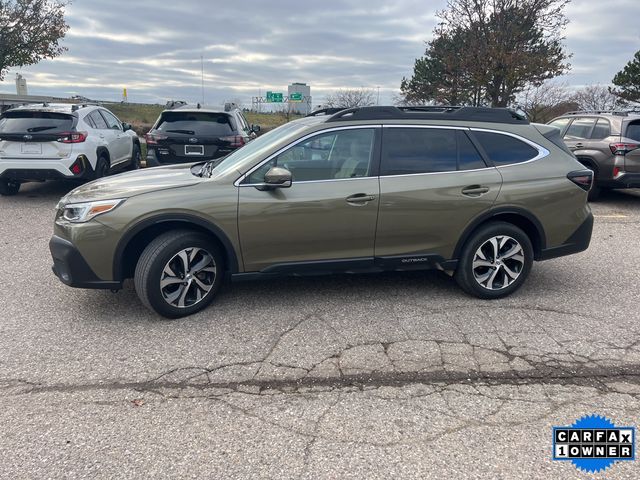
576 243
72 269
627 180
47 169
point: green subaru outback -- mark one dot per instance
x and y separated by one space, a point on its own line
476 192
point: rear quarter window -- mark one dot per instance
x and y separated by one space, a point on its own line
35 122
195 123
504 149
633 131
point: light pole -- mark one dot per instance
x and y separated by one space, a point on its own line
378 101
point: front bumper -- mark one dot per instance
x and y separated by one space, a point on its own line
576 243
72 269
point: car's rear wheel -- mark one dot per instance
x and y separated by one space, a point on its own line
495 261
102 167
136 158
179 273
9 187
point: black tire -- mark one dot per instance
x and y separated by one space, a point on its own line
136 158
164 251
468 279
9 187
102 167
595 193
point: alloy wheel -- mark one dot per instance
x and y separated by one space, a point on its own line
498 262
188 277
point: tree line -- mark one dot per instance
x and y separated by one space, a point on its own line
505 52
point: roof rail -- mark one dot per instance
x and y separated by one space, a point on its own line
622 113
445 112
325 111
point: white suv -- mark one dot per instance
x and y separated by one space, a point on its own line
59 141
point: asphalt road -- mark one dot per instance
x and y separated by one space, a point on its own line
373 376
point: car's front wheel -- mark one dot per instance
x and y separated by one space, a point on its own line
495 261
179 273
9 187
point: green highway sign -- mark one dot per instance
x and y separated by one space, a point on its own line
275 97
295 97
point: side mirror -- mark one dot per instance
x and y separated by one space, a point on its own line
126 126
255 128
276 177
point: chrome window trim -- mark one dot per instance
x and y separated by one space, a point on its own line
448 172
542 152
238 181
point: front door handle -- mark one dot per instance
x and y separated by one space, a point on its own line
360 198
475 190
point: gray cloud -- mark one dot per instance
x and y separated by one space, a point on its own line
154 49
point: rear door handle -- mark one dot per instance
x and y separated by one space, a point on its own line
475 190
360 198
579 145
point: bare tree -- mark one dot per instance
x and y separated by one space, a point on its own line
546 101
30 30
597 97
357 97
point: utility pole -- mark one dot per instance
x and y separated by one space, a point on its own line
202 76
378 102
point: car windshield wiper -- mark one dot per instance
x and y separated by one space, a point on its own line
41 129
207 168
186 132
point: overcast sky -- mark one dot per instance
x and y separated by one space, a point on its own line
153 48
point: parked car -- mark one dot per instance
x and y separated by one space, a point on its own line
62 141
607 143
476 192
188 133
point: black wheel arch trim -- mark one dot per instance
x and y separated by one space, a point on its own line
187 219
491 214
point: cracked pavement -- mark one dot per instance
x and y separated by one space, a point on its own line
399 375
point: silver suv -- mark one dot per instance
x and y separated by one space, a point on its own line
606 142
63 141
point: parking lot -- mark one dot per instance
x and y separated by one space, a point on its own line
398 375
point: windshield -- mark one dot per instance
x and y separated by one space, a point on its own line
255 149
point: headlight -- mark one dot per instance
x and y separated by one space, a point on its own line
83 212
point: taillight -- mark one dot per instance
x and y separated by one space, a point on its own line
623 148
72 137
154 138
234 140
582 178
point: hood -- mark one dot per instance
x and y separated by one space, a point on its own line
129 184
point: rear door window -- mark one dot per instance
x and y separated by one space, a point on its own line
35 122
407 151
195 123
112 122
505 149
98 121
601 130
468 156
580 129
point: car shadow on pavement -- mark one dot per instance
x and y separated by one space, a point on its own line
329 289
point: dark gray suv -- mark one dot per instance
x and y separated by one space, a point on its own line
607 143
